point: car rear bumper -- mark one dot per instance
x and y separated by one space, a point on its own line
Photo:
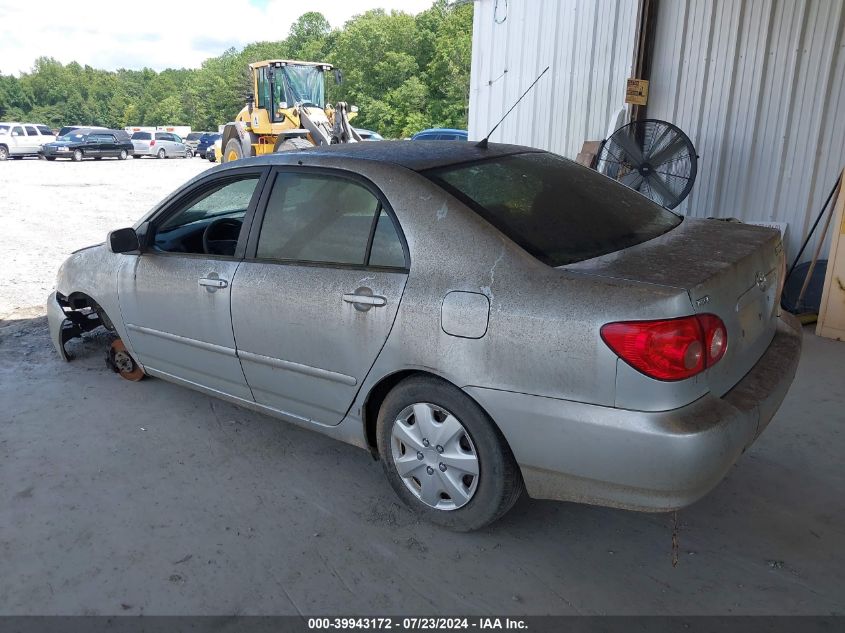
651 461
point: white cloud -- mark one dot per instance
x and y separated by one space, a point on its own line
156 33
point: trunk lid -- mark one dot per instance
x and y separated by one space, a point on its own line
728 269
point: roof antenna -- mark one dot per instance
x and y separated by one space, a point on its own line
483 142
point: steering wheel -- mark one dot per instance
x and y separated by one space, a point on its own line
221 236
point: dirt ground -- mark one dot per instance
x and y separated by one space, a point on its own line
147 498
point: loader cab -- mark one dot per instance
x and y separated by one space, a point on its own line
281 84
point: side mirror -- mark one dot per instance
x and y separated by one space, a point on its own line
338 76
124 241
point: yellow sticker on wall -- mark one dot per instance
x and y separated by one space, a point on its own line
636 91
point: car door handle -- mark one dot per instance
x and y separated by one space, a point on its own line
213 282
365 300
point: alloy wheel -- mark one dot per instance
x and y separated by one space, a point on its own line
435 456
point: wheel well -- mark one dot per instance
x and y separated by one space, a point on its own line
80 301
378 393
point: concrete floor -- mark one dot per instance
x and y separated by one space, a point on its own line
131 498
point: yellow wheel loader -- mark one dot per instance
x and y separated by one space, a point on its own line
287 110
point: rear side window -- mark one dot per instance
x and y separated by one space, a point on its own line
387 248
161 136
31 131
141 136
555 209
318 218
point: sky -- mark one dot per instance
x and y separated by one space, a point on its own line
156 34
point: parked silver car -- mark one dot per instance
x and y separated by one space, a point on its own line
482 319
160 145
23 139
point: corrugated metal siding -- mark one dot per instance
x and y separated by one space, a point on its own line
759 86
588 45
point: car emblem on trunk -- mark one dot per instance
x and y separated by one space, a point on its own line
762 282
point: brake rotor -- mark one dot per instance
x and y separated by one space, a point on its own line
122 362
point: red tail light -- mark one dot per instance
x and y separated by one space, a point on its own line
669 349
152 142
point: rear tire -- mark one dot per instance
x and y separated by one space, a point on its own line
50 157
481 498
292 144
161 153
77 155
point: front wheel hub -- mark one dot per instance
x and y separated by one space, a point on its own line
120 361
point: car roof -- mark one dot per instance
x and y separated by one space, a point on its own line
414 155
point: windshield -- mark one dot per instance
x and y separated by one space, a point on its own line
305 84
555 209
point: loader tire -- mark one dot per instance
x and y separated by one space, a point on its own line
232 151
292 144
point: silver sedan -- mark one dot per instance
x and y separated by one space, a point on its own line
483 320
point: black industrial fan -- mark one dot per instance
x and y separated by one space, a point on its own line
653 157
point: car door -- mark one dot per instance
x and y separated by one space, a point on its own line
17 137
109 145
314 302
175 297
33 139
93 146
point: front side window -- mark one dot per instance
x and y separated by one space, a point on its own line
210 222
557 210
17 131
324 219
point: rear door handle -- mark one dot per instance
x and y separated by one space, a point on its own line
213 282
365 301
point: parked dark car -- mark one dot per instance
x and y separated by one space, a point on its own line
89 143
206 141
440 134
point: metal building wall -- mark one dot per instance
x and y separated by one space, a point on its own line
759 86
588 45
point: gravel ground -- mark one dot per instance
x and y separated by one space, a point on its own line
49 209
147 498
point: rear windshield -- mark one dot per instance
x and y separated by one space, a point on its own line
141 136
193 136
555 209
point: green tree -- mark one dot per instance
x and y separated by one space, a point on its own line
403 72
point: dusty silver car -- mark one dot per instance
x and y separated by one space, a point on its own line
484 320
